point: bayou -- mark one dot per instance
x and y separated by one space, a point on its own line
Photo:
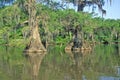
47 40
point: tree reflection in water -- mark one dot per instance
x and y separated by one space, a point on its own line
100 64
34 60
78 67
92 66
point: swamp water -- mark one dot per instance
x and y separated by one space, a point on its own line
103 63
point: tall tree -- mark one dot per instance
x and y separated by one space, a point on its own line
35 44
82 3
52 4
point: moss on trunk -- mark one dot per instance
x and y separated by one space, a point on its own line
35 43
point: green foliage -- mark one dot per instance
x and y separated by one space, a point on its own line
57 23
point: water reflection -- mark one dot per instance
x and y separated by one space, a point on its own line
118 70
34 60
93 65
117 77
101 64
108 78
77 69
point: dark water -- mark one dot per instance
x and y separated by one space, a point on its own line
102 63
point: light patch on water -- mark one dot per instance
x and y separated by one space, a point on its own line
108 78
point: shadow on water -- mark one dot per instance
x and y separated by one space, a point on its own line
34 60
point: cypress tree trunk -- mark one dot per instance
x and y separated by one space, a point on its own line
81 5
35 44
77 41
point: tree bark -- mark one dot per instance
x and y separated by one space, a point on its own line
35 43
81 5
77 41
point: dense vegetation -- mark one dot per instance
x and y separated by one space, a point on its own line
56 26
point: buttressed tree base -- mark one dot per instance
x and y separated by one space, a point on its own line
35 44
